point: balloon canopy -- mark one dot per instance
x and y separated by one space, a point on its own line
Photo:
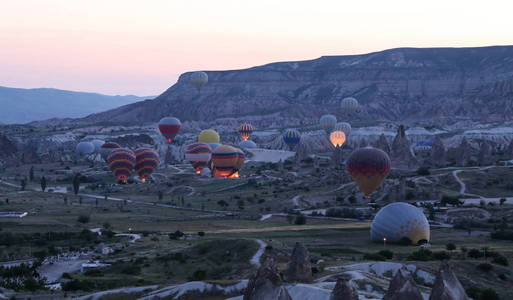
199 79
291 137
208 136
368 167
248 144
245 131
343 126
328 122
227 161
198 154
85 148
121 162
349 104
107 148
337 138
146 161
399 220
97 145
169 127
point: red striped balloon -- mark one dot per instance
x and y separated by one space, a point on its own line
121 162
169 127
368 167
227 161
146 161
198 154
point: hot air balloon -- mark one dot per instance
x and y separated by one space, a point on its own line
337 138
227 161
349 105
245 131
107 148
97 145
368 167
399 220
169 128
85 148
247 144
213 146
198 154
199 79
121 162
292 137
146 161
328 122
208 136
343 126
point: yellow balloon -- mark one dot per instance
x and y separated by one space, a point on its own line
338 138
208 136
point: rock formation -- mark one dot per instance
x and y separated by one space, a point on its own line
363 143
337 158
266 284
8 150
343 291
402 155
383 144
403 287
485 154
438 156
464 153
509 150
447 286
299 268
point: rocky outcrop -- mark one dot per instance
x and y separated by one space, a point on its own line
402 155
438 155
485 156
8 150
403 287
337 158
382 144
134 140
464 155
398 84
266 284
343 291
509 150
299 268
447 286
363 143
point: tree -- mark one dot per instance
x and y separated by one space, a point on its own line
31 173
76 183
450 247
290 219
23 183
83 219
43 183
352 199
160 195
65 200
300 220
502 200
96 202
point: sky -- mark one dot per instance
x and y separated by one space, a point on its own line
120 47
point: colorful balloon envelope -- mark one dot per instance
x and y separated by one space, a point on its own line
199 79
343 126
169 127
121 162
245 131
328 122
198 154
146 161
107 148
208 136
368 167
227 161
85 148
292 137
97 145
337 138
349 104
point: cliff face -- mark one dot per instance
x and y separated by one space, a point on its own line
431 84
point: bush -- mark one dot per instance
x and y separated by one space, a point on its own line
83 219
300 220
502 235
488 294
405 241
450 247
421 255
441 255
198 275
475 253
423 171
176 235
131 270
485 267
386 253
374 256
500 260
75 285
201 233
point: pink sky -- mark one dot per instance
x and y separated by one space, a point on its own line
141 47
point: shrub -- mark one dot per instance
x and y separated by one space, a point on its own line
423 171
405 241
83 219
199 275
75 285
489 294
421 255
485 267
201 233
475 253
131 270
500 260
374 256
300 220
441 255
386 253
450 247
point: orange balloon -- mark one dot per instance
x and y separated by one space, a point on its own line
338 138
